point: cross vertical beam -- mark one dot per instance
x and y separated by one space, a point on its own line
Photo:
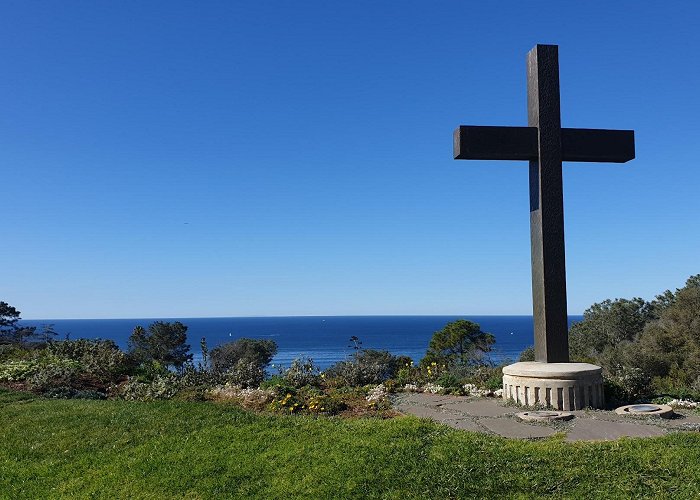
544 144
547 208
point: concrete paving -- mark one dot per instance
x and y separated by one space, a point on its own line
482 407
511 428
598 430
491 415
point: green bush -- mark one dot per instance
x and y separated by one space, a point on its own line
309 401
303 372
18 370
645 348
255 351
670 386
194 383
607 324
448 381
70 393
274 381
279 385
528 354
487 377
628 385
99 358
190 384
11 352
150 370
245 373
57 373
161 387
368 366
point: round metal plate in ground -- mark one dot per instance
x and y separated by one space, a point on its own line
663 411
642 408
544 416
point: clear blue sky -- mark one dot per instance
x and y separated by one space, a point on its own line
181 159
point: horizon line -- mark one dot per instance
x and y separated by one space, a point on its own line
279 316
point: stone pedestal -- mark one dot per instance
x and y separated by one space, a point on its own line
563 386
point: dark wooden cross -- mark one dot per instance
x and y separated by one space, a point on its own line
545 145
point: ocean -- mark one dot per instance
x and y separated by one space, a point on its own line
325 339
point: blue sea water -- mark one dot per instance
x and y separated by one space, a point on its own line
326 339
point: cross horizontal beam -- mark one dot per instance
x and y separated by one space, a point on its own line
520 143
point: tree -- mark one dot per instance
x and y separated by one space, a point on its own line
9 316
644 347
24 333
671 344
47 333
607 324
255 351
10 331
162 342
459 343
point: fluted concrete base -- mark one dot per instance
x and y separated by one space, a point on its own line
563 386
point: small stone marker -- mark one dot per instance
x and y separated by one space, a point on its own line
646 410
545 144
544 416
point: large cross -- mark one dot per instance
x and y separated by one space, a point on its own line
545 145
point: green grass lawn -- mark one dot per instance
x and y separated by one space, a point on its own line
115 449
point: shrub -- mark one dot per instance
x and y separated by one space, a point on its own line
278 385
310 401
245 374
528 354
302 372
258 352
12 352
327 404
289 403
70 393
643 347
274 381
190 384
448 381
429 372
406 374
150 370
606 324
487 377
368 367
56 373
162 387
627 386
256 399
193 383
18 370
99 358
